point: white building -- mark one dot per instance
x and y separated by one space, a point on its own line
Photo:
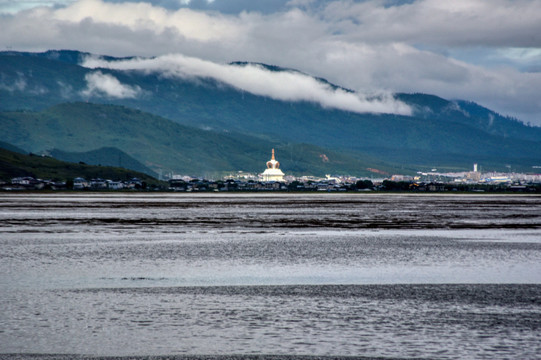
79 183
273 172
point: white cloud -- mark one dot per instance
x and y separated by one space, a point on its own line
507 23
100 84
146 17
362 45
12 85
283 85
187 2
14 6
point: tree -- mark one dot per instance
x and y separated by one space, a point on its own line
395 185
364 184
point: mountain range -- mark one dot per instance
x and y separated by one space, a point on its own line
200 125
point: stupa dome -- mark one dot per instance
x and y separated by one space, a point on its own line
273 172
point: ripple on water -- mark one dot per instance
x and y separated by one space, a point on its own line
116 275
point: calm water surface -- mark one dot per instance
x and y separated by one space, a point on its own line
364 275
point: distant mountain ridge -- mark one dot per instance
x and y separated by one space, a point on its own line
72 57
440 133
471 114
10 147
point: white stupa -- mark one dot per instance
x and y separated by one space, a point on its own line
273 172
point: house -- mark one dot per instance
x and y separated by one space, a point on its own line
28 182
25 181
80 183
134 183
436 187
115 185
98 184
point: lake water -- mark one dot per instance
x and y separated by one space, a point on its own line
280 275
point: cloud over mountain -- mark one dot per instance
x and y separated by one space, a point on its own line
485 51
100 84
252 78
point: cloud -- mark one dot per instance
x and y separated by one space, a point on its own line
11 6
12 84
144 16
258 80
100 84
508 23
484 51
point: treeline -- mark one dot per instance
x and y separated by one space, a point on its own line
406 186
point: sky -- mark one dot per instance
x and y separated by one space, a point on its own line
487 51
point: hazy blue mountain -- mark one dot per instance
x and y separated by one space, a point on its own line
10 147
73 57
440 133
471 114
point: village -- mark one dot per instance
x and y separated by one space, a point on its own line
274 179
245 182
77 184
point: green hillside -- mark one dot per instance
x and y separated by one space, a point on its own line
106 156
163 145
13 164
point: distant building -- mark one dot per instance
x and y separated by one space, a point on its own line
134 183
25 180
80 183
474 175
97 184
273 172
114 185
401 178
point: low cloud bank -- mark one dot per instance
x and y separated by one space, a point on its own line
258 80
100 84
